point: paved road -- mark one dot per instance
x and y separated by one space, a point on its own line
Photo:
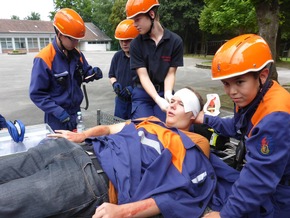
15 77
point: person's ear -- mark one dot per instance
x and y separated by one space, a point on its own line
152 14
192 118
264 75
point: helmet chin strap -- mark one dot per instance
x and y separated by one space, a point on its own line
61 44
268 80
260 84
152 22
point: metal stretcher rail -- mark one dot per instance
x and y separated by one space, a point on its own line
104 118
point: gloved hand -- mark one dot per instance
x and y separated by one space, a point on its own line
168 95
162 103
64 117
2 122
71 125
126 92
94 74
98 73
117 87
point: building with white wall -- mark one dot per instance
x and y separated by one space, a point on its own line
33 35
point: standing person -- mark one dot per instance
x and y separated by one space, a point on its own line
59 70
155 54
120 74
155 168
261 121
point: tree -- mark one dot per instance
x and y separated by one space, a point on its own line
95 11
284 20
101 13
233 17
181 17
221 20
14 17
33 16
117 15
283 36
237 17
51 15
83 7
268 22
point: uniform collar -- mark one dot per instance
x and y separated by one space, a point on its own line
166 35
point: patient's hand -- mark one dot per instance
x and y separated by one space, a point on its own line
213 214
199 118
107 210
71 136
142 208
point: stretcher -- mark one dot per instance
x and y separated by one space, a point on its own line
104 118
33 135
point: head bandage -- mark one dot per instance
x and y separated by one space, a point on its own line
190 101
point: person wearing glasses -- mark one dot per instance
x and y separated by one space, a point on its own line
58 71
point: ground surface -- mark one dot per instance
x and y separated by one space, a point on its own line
15 77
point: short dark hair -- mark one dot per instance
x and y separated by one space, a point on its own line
155 10
268 66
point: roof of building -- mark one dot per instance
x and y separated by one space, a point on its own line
93 33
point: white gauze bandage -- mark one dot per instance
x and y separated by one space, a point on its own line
190 101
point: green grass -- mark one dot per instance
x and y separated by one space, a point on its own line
226 102
285 59
206 63
287 87
208 57
283 62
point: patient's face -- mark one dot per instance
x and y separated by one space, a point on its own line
176 117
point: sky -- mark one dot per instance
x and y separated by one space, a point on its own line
23 8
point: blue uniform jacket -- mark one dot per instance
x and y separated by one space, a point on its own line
55 84
147 160
260 191
120 69
2 122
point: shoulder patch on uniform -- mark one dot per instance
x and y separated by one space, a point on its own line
265 146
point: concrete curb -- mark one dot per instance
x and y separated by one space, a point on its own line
203 66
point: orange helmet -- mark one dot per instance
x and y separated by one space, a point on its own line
126 30
69 23
135 7
240 55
